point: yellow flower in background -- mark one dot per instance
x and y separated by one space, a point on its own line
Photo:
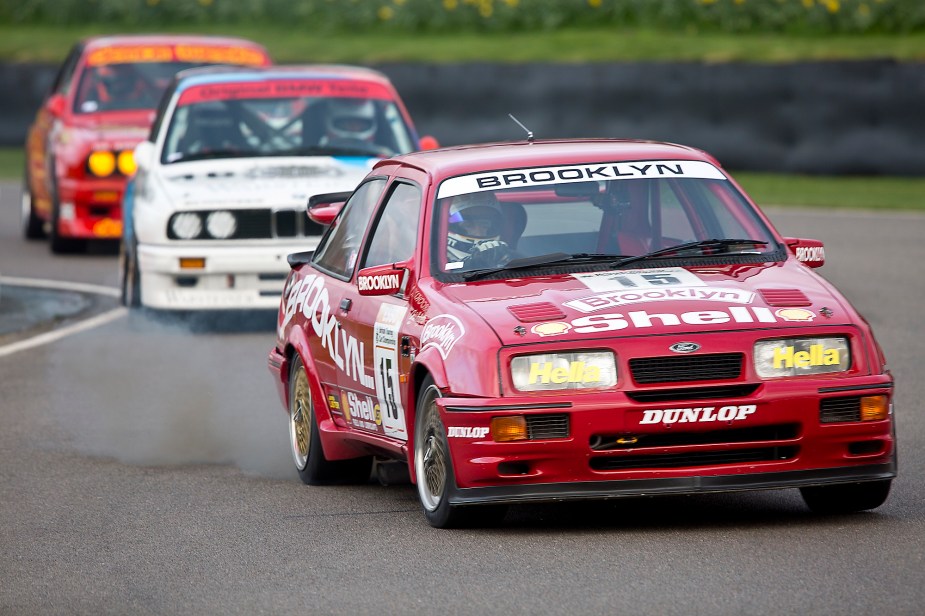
864 10
385 13
705 2
450 5
205 2
512 3
808 3
399 2
486 9
740 1
832 5
153 2
594 3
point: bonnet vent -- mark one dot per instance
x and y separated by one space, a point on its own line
784 297
542 311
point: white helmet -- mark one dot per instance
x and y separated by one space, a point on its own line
351 118
473 219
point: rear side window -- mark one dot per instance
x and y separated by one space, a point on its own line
337 253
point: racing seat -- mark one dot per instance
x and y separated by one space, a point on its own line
212 129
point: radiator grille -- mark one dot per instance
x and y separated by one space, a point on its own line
701 458
835 410
647 370
261 224
547 426
778 432
693 393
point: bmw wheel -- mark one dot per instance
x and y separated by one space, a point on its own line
129 278
305 443
434 469
846 497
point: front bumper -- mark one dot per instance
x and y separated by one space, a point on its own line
91 208
234 277
607 450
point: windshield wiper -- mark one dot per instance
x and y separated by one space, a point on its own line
212 155
551 258
711 243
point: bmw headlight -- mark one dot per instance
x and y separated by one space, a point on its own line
221 225
186 225
557 371
800 356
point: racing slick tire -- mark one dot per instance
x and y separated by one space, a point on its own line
846 497
305 443
130 296
33 228
434 470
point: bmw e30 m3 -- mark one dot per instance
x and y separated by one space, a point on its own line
575 320
223 180
101 104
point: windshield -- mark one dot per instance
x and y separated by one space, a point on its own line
119 87
281 125
629 218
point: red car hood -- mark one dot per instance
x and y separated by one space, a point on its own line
663 300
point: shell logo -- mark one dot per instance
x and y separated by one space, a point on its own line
553 328
795 314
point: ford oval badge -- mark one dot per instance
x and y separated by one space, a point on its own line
684 347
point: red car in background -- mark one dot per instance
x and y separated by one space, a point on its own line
79 149
575 320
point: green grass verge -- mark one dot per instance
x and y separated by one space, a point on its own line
28 43
880 193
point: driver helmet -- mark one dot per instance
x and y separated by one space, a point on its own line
472 219
351 118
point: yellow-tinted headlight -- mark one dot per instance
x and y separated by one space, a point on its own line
564 370
801 356
101 164
126 162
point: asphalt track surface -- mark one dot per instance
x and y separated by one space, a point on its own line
144 470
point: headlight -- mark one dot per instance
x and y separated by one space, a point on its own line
125 162
555 371
800 356
101 164
221 225
186 225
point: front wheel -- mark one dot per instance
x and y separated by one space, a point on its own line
130 282
846 497
434 469
305 443
32 225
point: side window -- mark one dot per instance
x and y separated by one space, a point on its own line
337 253
395 235
63 78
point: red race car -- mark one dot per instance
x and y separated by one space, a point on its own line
101 105
575 320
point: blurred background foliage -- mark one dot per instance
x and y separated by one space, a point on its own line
817 17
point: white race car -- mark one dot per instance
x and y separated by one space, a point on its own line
219 199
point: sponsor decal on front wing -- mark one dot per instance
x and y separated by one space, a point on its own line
466 432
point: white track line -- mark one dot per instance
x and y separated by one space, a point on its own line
39 283
58 334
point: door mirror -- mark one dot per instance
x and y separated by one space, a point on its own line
428 143
300 258
386 279
323 209
56 105
810 253
145 155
